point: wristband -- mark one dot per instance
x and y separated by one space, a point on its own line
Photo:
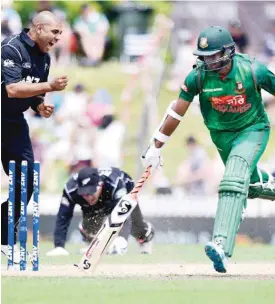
161 137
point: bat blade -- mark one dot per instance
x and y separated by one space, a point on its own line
109 230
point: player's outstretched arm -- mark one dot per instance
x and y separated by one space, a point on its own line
169 123
174 114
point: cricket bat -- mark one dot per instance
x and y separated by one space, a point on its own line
111 227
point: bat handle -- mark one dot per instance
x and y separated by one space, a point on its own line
141 182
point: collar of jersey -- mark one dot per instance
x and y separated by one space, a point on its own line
26 38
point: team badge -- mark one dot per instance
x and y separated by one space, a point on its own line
203 42
26 65
8 63
239 87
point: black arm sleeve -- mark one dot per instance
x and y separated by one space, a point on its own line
63 221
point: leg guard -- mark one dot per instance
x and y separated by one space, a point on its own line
264 189
232 200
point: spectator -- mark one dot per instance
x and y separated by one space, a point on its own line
184 59
10 21
193 173
111 131
70 109
239 36
82 145
269 44
92 28
108 142
101 105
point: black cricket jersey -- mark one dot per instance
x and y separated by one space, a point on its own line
21 60
116 183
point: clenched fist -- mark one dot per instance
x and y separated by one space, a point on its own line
59 83
45 110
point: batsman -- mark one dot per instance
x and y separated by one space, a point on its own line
229 87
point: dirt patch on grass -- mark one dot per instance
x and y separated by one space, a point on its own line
154 271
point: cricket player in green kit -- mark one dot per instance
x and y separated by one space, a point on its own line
229 88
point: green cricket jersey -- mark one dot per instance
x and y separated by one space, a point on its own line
235 102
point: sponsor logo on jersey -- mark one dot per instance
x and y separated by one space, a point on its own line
212 90
46 67
232 104
26 65
239 87
31 79
184 87
8 63
203 42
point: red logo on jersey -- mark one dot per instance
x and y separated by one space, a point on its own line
233 104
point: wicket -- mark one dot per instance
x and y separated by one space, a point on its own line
23 215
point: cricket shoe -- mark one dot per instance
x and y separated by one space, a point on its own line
119 246
57 251
216 254
145 242
16 253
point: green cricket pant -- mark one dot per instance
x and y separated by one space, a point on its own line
240 152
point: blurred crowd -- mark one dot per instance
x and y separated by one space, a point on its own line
87 34
81 134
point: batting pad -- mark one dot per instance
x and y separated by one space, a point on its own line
232 200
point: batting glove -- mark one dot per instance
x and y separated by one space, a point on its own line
152 157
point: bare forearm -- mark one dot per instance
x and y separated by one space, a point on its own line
170 123
168 127
26 90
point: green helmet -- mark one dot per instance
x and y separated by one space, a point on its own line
213 40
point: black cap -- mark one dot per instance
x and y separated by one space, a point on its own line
88 179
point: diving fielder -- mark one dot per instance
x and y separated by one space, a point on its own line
97 191
229 88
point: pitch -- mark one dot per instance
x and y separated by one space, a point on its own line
173 274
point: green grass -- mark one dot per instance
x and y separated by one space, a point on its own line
110 77
170 253
97 290
120 291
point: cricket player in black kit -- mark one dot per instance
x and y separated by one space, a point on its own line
25 64
97 191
